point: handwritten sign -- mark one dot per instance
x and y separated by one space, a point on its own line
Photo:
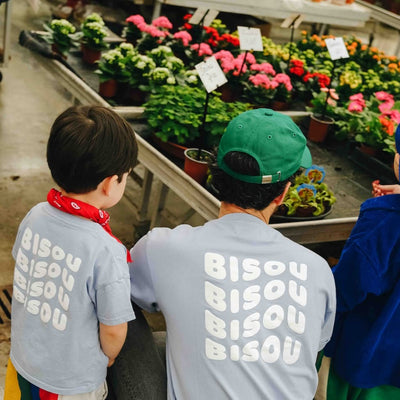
211 74
198 16
336 47
203 15
250 38
210 16
293 21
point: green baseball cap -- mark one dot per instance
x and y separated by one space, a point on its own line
272 139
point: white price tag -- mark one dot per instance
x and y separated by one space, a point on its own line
250 38
211 74
337 48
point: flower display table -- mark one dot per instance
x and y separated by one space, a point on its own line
172 177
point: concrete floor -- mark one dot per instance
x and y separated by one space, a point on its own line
30 99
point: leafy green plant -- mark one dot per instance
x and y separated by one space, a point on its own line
112 64
62 34
371 121
94 32
176 112
309 195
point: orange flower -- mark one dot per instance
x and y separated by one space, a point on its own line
387 125
364 47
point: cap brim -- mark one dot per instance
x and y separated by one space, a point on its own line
306 159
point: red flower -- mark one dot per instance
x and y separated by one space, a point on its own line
299 71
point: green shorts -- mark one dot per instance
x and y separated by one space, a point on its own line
333 387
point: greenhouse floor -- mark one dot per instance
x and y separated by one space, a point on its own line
30 99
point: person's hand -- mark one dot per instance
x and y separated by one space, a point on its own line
381 190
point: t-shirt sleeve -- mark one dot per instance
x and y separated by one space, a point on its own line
355 277
327 327
142 288
113 303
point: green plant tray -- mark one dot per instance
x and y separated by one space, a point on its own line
289 218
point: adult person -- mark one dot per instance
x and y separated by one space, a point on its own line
363 357
246 309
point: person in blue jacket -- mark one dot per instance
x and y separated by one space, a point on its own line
364 349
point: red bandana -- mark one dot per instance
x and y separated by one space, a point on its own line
76 207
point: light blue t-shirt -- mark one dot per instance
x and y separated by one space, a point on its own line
69 275
247 310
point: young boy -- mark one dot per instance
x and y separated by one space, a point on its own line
71 291
364 353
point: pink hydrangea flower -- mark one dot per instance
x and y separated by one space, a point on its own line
386 106
249 58
355 106
224 54
162 22
153 31
394 115
261 80
136 19
203 49
383 96
285 80
357 103
185 36
265 67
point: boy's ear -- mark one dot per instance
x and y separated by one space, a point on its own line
278 200
108 183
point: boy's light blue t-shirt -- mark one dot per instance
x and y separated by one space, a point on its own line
69 275
247 310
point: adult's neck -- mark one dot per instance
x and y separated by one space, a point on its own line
264 215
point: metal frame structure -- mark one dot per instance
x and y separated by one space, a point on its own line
380 15
352 15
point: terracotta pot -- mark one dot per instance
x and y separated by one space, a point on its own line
349 1
229 93
173 149
318 128
136 96
279 105
90 56
367 149
108 88
197 169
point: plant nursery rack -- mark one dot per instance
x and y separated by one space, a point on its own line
172 178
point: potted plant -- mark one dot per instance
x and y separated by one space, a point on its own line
196 163
175 113
62 35
283 92
92 41
371 122
322 114
308 197
236 70
111 69
138 68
